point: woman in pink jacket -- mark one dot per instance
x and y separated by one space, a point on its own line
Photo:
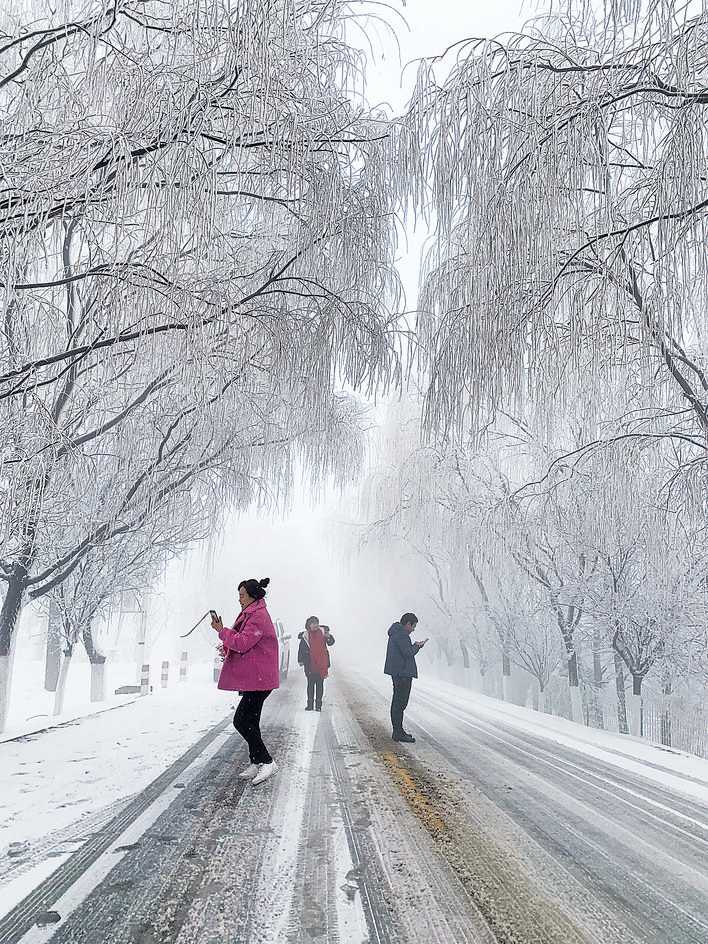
252 668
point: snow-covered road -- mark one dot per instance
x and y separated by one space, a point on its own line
485 830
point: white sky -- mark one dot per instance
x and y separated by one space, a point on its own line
433 26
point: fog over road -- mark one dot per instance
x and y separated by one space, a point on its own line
479 832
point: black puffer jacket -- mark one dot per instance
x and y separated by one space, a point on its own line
401 653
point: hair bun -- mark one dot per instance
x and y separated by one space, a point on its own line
264 583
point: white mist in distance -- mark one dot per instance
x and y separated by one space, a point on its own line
309 576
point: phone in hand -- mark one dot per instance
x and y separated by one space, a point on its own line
213 614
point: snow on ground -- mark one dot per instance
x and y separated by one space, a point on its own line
61 781
53 779
31 707
680 772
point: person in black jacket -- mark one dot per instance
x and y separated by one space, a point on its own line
313 656
401 666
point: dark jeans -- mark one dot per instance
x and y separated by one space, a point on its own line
247 722
399 702
315 690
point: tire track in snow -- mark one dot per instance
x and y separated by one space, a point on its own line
193 875
421 893
17 922
515 911
60 841
327 895
366 868
653 878
313 915
273 893
629 877
683 817
143 898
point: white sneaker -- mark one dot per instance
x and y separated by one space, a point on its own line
250 772
266 771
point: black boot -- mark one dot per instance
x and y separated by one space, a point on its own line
308 707
403 737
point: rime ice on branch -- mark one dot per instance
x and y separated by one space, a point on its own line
564 169
196 254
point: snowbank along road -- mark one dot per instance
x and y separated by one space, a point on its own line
480 832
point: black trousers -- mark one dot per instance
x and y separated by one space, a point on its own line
247 722
399 702
315 690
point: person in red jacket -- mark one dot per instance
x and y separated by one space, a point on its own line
252 668
313 656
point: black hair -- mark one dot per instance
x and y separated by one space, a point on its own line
311 619
409 619
256 589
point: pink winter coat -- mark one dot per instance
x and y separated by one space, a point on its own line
252 662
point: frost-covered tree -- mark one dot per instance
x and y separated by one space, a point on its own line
171 480
545 562
648 596
564 171
128 563
195 249
563 308
530 637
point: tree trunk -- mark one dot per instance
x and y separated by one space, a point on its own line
9 614
597 713
598 679
140 646
6 665
52 660
447 652
634 711
61 683
541 699
98 666
576 705
666 713
576 702
482 666
597 657
635 707
506 677
621 700
573 680
98 681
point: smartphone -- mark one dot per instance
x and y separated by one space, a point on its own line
213 614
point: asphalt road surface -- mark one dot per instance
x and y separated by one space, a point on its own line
477 833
